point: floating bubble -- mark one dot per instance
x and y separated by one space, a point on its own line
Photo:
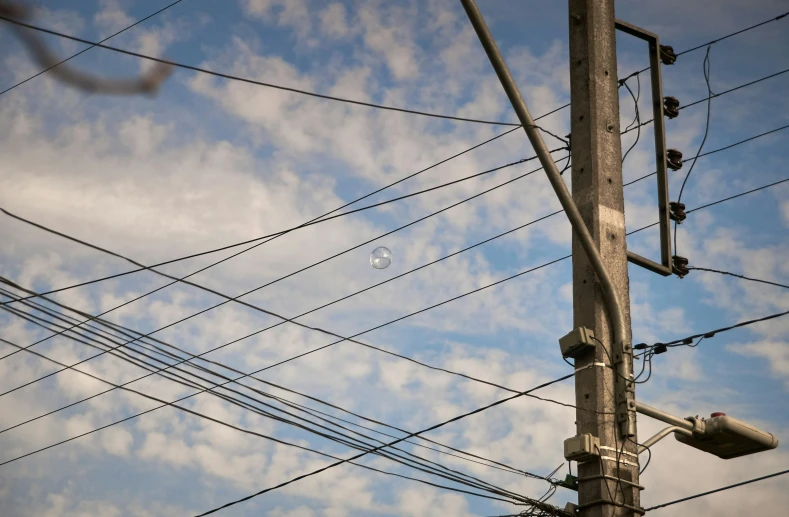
380 258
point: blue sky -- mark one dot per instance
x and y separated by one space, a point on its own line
208 162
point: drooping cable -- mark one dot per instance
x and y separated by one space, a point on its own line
706 69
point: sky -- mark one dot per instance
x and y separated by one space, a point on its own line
208 162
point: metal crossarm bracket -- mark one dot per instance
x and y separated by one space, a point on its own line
665 267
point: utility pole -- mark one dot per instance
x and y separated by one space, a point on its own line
597 191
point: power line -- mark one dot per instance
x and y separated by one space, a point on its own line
295 228
781 473
367 331
735 144
714 95
738 276
319 219
112 326
712 42
431 428
780 16
268 312
270 236
252 81
712 333
345 438
282 442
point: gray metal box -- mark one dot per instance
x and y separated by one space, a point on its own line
581 448
578 341
727 438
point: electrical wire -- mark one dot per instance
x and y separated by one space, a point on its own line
734 33
735 88
236 298
637 118
776 474
341 461
295 228
693 49
268 312
278 234
712 333
271 235
63 317
252 81
357 456
738 195
715 151
477 483
716 95
695 268
315 451
706 69
92 46
383 325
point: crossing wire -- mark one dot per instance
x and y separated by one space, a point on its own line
326 216
279 233
713 96
244 303
519 394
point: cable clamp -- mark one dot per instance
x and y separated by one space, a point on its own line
602 365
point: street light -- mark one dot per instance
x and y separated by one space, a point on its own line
721 435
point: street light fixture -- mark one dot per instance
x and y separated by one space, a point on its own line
721 435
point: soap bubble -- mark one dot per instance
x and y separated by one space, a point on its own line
380 258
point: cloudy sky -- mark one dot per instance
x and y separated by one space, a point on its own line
209 162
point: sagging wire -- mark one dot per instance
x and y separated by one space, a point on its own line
711 94
637 117
147 84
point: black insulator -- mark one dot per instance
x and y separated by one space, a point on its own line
667 55
670 107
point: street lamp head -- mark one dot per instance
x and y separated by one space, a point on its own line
728 438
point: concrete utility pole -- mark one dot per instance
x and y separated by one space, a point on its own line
598 193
